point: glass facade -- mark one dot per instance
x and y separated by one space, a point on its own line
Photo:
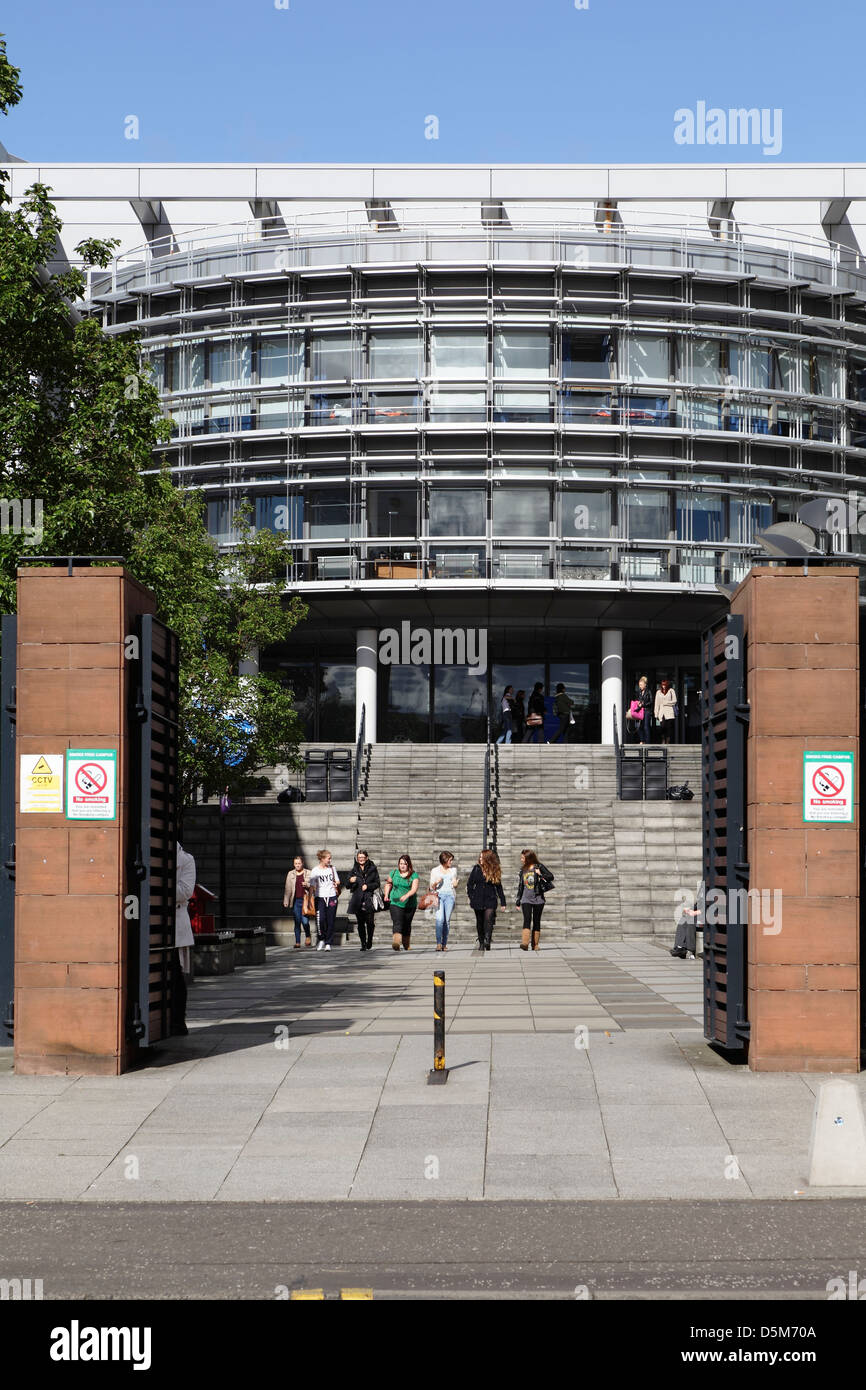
510 410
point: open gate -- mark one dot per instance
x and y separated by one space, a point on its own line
7 825
154 805
725 717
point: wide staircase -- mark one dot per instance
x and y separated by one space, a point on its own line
617 864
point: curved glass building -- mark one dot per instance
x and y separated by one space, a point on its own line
542 442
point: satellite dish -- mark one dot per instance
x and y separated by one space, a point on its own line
816 512
789 540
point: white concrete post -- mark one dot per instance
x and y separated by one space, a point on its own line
611 682
366 672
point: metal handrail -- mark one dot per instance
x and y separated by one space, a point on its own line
486 810
359 751
556 225
618 755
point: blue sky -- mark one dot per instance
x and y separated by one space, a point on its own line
354 80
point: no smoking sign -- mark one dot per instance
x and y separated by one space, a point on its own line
91 784
828 782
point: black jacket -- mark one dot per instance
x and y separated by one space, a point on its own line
367 881
536 704
481 893
544 870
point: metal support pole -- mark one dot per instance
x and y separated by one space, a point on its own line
439 1075
223 889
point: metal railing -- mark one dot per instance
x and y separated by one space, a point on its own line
359 751
458 233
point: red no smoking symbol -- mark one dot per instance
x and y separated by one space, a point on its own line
90 779
828 780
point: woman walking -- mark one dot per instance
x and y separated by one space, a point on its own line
506 712
401 891
535 716
363 881
666 709
562 707
531 883
297 886
325 885
519 716
443 880
484 887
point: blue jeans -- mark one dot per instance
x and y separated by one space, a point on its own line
443 917
507 728
300 920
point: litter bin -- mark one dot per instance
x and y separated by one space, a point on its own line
656 774
316 775
340 775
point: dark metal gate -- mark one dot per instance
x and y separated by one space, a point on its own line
154 806
726 872
7 824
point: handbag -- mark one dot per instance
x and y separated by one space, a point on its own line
309 904
378 900
428 900
534 721
635 710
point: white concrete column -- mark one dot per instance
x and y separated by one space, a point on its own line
611 682
366 675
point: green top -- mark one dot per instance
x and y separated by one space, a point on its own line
401 885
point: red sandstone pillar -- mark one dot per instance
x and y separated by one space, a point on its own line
802 643
70 931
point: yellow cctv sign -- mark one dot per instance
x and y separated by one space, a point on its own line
42 782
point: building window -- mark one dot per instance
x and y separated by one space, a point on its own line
517 407
700 516
748 517
331 357
648 515
331 410
458 407
395 354
328 514
458 354
387 408
707 367
281 360
648 358
458 512
585 513
392 512
588 355
521 352
230 363
521 511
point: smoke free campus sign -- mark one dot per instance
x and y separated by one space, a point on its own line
828 786
91 783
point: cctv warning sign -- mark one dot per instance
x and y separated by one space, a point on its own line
828 786
41 782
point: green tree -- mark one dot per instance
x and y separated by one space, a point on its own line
80 427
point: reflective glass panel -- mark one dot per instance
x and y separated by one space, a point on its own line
458 512
331 357
458 353
585 513
647 514
521 352
648 358
395 354
459 704
521 511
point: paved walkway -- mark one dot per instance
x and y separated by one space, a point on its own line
577 1073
